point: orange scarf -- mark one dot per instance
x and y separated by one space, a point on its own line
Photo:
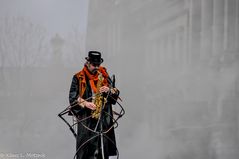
93 79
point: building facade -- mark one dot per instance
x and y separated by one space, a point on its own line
184 55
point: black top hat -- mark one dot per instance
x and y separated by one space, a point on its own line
94 57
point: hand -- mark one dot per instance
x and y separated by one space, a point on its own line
83 103
90 105
114 90
104 89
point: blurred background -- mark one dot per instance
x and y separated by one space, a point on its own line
176 63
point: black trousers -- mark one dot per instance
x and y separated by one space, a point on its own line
96 155
93 151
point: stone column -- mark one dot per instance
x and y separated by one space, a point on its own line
230 25
218 29
174 51
178 53
206 32
237 24
195 29
170 51
167 50
164 50
161 51
184 46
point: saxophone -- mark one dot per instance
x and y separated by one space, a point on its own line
99 100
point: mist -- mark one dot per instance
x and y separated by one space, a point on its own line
176 65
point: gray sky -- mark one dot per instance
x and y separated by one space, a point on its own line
57 16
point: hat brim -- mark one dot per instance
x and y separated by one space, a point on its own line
101 60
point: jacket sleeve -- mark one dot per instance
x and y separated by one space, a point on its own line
73 95
113 97
74 90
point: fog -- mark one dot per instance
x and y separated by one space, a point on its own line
176 66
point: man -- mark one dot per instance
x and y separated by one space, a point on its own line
82 92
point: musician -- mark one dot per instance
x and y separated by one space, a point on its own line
83 88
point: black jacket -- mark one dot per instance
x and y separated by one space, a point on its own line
84 151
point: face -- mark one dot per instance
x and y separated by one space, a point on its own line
93 67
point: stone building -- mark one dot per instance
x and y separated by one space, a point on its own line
184 55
